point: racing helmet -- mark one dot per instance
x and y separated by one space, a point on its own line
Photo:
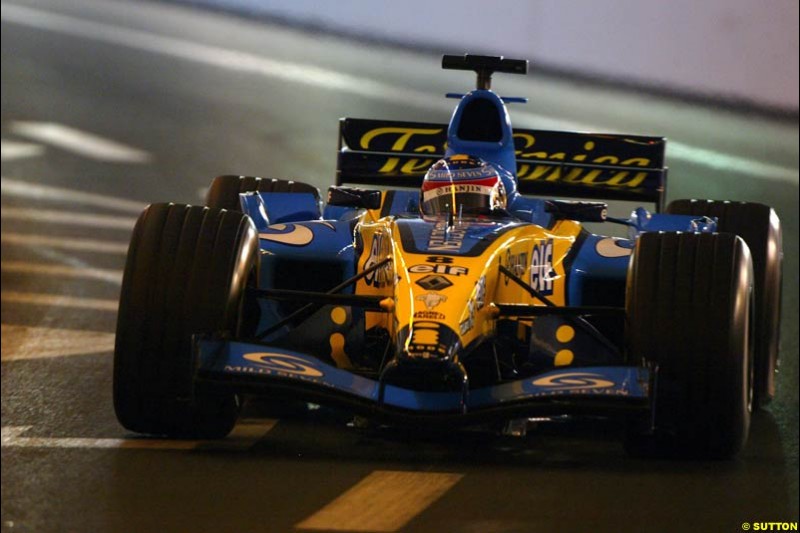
462 185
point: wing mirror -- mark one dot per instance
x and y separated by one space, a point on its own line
354 197
580 211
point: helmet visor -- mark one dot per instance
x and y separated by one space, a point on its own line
463 199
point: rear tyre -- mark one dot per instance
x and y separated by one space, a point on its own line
224 191
688 307
186 273
760 228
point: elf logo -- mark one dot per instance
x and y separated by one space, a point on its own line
542 273
449 270
378 251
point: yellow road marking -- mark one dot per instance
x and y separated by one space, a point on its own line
243 436
382 501
49 269
58 300
67 218
25 342
82 245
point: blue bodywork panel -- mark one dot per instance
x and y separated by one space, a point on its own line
643 220
314 255
280 207
599 267
402 202
500 152
290 207
419 236
405 202
530 210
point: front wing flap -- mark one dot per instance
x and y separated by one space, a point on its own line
256 368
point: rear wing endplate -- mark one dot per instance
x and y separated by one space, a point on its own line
549 163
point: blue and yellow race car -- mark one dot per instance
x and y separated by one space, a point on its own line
450 292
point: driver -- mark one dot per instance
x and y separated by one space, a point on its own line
462 185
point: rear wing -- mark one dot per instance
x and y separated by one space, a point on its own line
549 163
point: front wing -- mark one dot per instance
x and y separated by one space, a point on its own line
260 369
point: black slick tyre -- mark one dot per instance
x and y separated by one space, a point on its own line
224 191
689 310
760 228
186 272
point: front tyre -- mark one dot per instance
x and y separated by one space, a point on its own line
688 307
186 273
225 190
760 228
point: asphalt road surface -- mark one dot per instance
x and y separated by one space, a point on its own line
107 107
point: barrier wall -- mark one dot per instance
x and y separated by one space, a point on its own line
738 50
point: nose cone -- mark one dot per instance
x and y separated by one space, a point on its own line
445 297
427 359
425 340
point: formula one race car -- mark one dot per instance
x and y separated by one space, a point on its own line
451 297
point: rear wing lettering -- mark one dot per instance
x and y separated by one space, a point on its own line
549 163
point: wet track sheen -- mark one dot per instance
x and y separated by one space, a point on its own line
185 95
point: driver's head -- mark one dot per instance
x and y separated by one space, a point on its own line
462 185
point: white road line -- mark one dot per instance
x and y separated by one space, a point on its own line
64 243
67 218
382 501
58 300
28 342
12 438
80 142
49 269
226 58
36 191
726 162
243 437
10 150
332 80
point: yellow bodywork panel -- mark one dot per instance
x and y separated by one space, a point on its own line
456 290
